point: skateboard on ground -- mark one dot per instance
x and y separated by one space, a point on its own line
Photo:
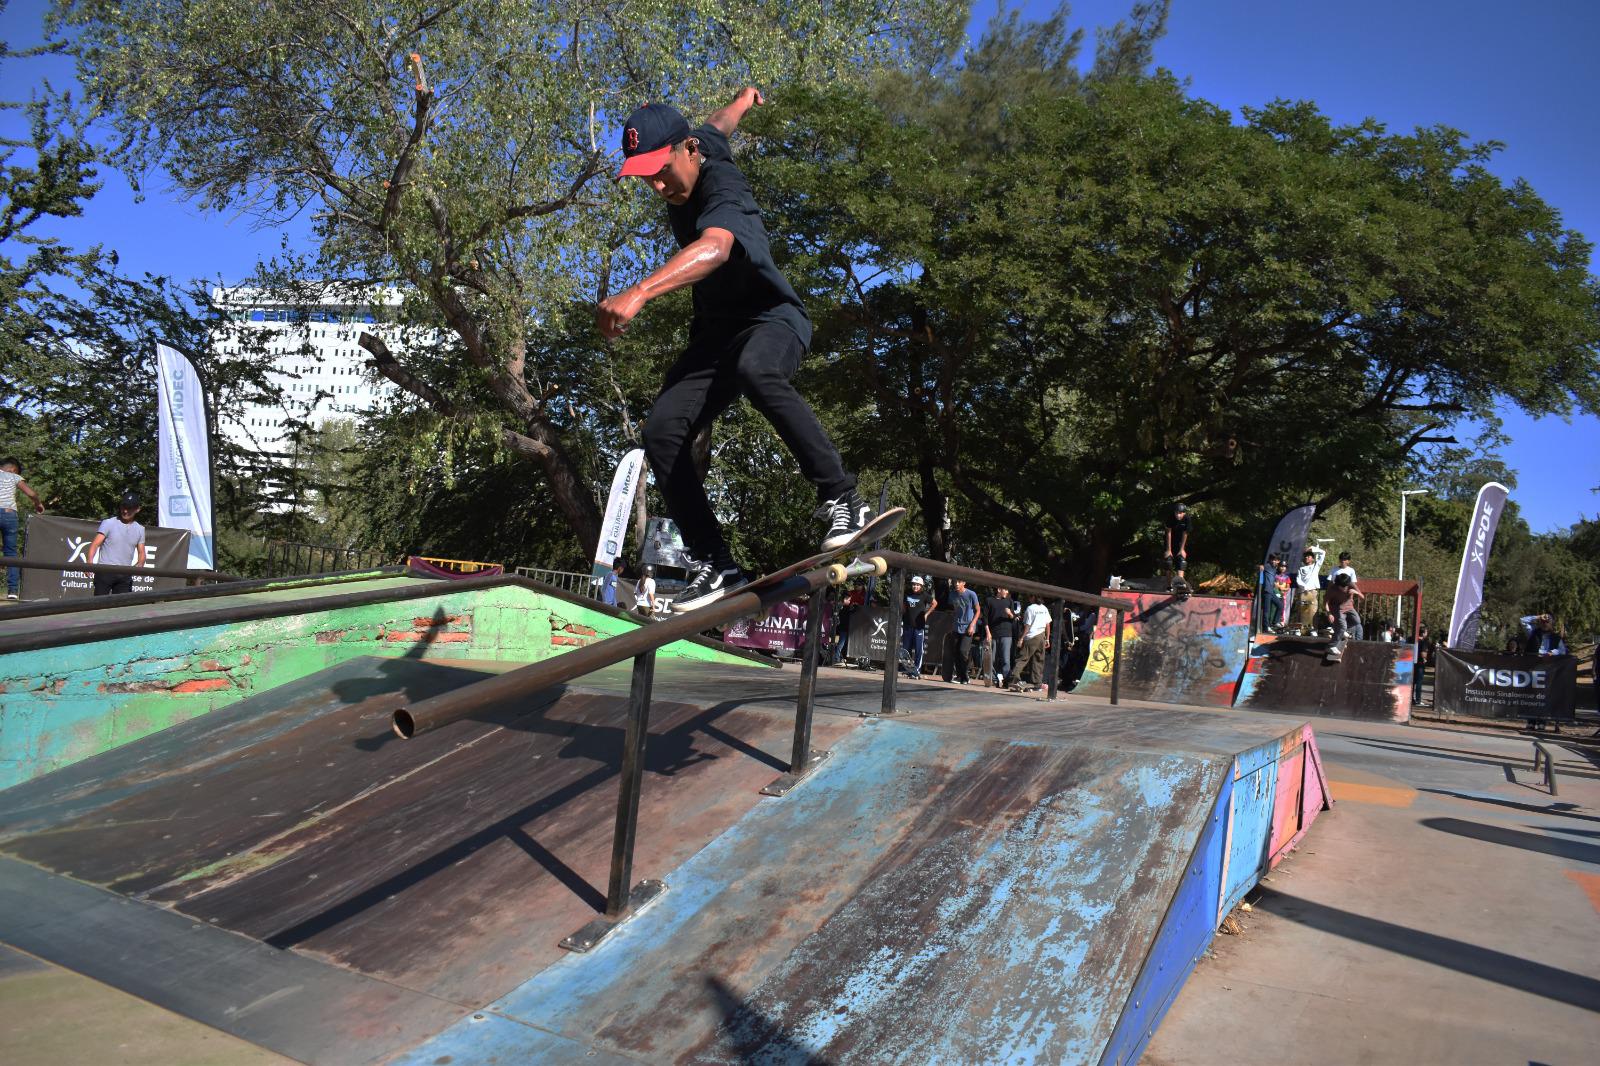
1180 588
838 572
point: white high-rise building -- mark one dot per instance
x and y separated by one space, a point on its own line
316 360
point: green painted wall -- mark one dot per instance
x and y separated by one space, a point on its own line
59 705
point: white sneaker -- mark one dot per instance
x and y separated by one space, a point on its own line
11 595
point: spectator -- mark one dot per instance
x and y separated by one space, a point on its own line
1000 611
1283 583
958 644
914 621
1035 639
10 484
1264 578
1345 568
608 584
1541 636
982 649
1424 660
644 593
854 600
119 541
1307 583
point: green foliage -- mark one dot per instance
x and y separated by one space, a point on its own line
478 186
1078 301
77 375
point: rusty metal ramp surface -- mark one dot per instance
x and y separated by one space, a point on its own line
927 896
1293 676
443 870
986 879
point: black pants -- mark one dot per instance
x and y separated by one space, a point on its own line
717 368
112 584
957 646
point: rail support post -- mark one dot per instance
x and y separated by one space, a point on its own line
891 657
1052 660
1116 657
622 902
802 760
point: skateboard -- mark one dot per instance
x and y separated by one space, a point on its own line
1335 654
838 572
1180 588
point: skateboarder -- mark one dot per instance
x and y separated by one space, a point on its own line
1178 527
119 541
748 335
11 483
1341 602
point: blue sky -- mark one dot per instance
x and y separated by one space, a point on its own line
1521 74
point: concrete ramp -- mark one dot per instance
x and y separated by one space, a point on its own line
1290 675
1174 650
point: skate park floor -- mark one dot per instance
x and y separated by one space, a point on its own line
1445 910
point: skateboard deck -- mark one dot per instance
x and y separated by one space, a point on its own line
879 527
1181 589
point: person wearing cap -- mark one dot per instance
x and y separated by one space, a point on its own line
11 483
747 338
120 541
914 624
1307 585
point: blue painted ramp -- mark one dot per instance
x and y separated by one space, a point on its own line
951 889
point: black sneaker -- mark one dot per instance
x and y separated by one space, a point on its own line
846 517
708 583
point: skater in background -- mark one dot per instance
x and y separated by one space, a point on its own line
747 338
1345 567
644 593
1282 595
958 642
1177 529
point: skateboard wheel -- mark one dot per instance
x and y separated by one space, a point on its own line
879 567
837 574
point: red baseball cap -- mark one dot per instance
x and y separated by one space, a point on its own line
648 137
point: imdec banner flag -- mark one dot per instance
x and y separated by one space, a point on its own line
614 529
184 477
1463 632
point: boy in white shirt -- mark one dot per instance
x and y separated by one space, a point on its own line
1307 583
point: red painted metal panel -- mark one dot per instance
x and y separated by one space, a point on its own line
1287 804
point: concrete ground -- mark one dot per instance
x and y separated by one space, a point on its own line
1447 910
53 1017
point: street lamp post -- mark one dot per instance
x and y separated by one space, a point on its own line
1401 569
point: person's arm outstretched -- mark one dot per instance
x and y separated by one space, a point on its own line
38 504
691 263
727 118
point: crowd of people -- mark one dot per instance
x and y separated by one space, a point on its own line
996 639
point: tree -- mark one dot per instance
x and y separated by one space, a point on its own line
457 149
77 379
1110 296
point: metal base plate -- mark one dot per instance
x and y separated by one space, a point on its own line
590 936
788 781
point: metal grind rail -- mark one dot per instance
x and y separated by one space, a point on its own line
1057 597
624 899
640 645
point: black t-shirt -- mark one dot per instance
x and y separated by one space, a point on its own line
748 288
916 611
1178 527
994 614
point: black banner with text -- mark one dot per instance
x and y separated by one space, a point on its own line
52 539
1486 685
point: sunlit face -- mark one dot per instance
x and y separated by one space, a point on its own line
675 181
